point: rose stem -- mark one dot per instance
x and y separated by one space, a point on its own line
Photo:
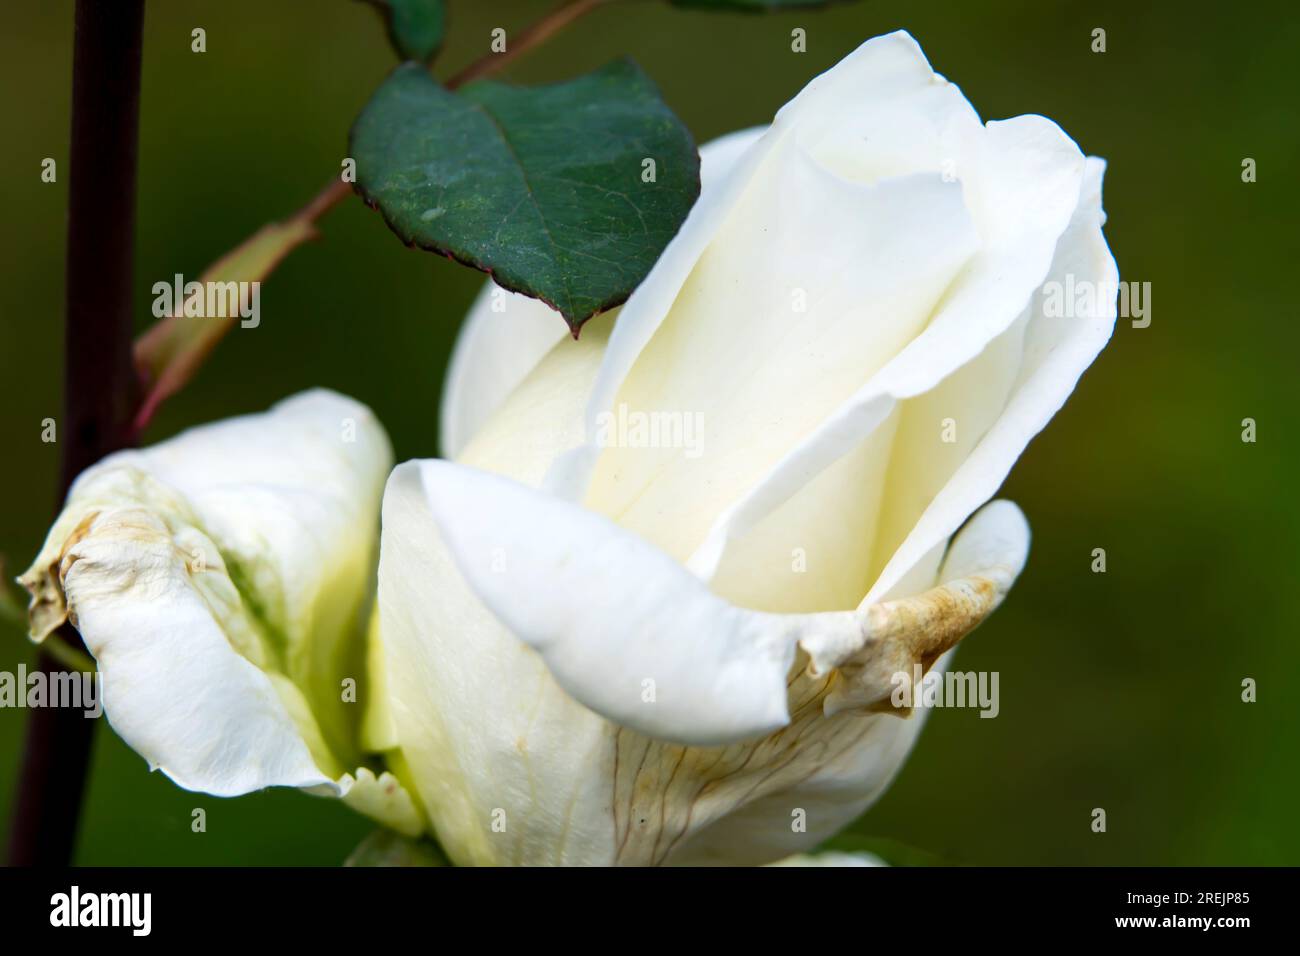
534 35
99 382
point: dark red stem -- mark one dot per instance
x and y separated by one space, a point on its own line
99 382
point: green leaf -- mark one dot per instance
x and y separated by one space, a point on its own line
755 6
544 188
415 27
386 848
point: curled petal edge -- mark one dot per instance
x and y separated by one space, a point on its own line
608 611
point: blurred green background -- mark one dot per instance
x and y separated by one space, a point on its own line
1119 690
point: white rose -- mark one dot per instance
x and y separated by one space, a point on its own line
652 611
223 581
659 585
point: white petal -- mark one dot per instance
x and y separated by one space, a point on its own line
831 858
174 688
511 769
608 611
982 563
718 157
221 580
884 77
873 261
849 759
992 292
1056 352
786 510
633 635
506 334
845 767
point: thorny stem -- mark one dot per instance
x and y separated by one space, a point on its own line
99 382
